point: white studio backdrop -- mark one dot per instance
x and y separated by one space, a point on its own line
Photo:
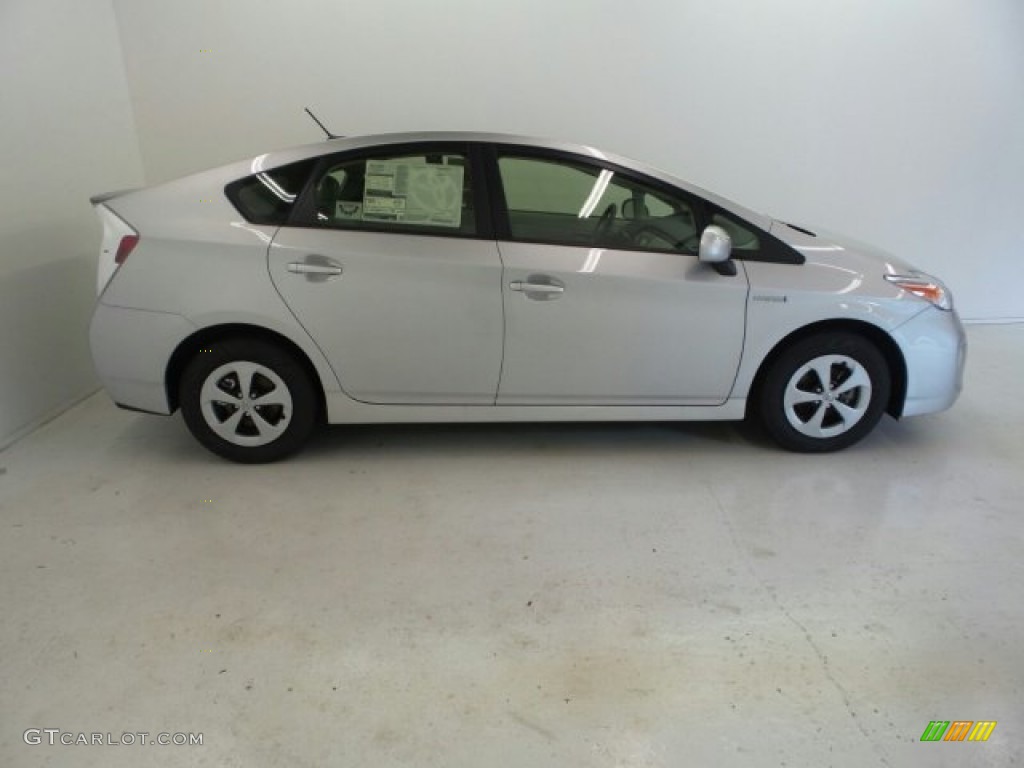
66 132
898 123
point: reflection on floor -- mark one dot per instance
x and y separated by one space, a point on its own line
528 595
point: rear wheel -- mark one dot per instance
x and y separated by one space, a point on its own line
248 401
824 393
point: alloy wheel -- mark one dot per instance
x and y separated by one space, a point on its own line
827 396
246 403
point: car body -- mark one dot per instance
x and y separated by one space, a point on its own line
452 277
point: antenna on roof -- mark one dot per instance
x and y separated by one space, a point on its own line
322 126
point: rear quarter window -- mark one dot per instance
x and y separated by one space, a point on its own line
267 197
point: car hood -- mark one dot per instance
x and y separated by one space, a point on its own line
830 247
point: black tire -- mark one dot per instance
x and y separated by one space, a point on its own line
269 415
847 409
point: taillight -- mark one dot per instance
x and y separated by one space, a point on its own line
126 246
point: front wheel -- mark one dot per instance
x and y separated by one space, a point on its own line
824 393
248 401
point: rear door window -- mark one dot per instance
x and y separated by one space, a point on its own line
421 192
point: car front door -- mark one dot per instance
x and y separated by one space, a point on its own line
605 300
390 265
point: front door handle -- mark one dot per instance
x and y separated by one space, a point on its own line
519 285
305 268
539 287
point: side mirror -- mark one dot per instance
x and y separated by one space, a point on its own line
716 250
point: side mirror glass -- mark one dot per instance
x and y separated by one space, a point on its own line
715 245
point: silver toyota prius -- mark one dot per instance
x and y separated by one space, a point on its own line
454 277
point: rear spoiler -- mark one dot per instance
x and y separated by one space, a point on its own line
97 199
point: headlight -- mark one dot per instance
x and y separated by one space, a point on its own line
925 287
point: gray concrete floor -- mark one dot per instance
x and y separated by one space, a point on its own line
556 595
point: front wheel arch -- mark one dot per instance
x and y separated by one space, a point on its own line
883 342
189 347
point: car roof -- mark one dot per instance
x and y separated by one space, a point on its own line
343 143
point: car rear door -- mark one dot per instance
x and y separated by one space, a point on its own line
390 264
605 300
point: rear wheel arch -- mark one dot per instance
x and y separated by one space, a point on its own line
880 339
205 337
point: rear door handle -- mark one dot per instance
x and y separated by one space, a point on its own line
305 268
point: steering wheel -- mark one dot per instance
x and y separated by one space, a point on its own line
652 238
656 239
604 224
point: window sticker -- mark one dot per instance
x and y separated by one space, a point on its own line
348 210
413 193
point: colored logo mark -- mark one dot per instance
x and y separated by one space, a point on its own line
958 730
